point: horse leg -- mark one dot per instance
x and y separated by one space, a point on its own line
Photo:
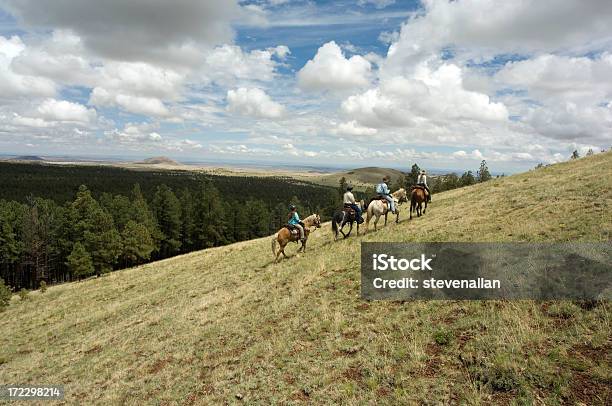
350 229
396 216
280 250
386 214
425 209
376 222
342 229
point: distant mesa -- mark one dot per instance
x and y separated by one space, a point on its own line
27 158
159 160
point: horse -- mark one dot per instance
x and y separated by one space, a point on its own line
378 207
341 218
417 198
284 236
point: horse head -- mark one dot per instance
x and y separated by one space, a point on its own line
400 195
313 220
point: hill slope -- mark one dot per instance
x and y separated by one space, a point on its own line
361 178
226 324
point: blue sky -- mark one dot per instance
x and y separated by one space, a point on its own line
349 83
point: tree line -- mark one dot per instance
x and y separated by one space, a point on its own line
42 240
445 182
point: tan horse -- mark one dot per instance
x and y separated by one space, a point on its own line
418 196
284 236
377 208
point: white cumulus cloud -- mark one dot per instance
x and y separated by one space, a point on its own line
253 102
331 70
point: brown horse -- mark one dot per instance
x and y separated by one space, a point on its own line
285 236
418 196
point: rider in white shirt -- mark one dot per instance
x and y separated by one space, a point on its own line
349 200
422 181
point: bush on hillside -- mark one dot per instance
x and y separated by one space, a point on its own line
24 294
5 295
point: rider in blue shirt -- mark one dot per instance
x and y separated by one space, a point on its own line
294 220
382 189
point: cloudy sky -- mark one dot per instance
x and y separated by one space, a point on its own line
346 83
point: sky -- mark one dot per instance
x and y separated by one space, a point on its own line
344 83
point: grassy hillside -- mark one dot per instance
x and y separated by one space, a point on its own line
226 325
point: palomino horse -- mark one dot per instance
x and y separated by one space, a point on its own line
284 236
341 218
418 196
377 208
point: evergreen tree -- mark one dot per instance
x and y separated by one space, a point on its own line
141 214
342 186
120 207
167 211
483 173
399 183
95 227
187 220
137 243
413 177
210 217
5 295
258 218
467 179
103 242
79 261
279 217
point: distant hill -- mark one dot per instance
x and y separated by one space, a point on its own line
361 178
159 160
27 158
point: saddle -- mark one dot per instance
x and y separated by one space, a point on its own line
295 233
348 209
419 187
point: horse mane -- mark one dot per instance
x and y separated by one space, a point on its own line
309 218
399 193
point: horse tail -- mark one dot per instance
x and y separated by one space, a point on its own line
334 224
274 244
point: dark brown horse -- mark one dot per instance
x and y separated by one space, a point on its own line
418 196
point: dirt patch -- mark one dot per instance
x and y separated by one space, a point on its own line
383 391
93 350
350 334
463 337
353 374
596 354
433 363
300 396
159 365
586 390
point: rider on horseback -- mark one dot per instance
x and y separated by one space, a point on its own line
422 181
382 189
294 220
349 201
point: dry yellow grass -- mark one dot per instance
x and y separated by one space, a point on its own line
226 325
